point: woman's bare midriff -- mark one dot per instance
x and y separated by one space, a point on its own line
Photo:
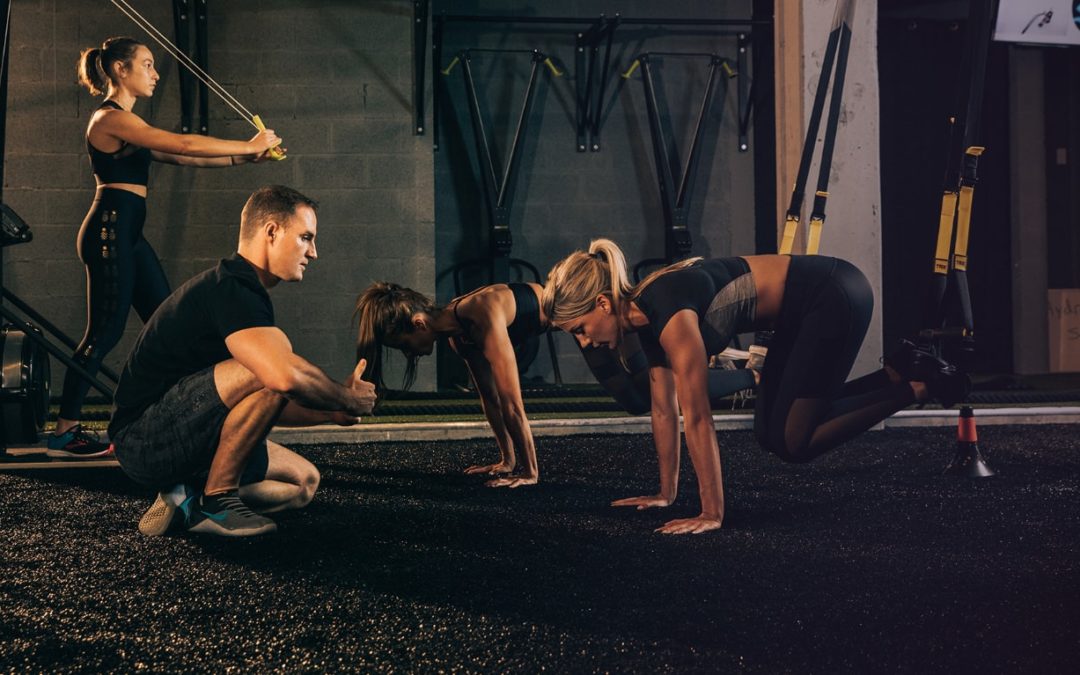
770 275
130 187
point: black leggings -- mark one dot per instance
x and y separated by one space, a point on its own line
804 405
122 272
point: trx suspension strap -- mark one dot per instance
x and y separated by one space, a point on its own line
836 54
835 62
959 190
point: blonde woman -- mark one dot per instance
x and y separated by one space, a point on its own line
819 309
482 327
122 270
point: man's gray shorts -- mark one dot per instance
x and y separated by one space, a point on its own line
175 439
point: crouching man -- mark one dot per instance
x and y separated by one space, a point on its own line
210 375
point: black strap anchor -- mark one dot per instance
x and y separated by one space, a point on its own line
675 189
498 185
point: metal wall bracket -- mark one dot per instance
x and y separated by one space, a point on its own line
589 108
182 15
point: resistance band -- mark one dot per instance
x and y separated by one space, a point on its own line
276 152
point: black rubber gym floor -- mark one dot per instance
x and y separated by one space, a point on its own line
868 560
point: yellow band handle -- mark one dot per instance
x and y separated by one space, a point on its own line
813 240
633 67
945 232
787 242
453 62
275 153
554 71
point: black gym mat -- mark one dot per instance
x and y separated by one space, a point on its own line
867 560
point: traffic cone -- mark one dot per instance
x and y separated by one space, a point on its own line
968 462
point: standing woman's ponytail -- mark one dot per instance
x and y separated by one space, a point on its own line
95 63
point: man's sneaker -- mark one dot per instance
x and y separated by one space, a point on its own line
227 516
169 509
77 443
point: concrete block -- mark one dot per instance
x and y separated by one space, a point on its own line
391 242
308 137
371 136
44 171
27 64
29 204
331 171
66 208
232 64
364 96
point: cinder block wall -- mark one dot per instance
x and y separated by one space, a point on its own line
563 198
333 79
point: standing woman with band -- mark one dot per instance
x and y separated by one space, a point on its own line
818 309
482 327
122 270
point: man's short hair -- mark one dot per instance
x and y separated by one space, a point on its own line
273 202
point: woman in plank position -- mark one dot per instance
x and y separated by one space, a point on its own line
818 309
482 327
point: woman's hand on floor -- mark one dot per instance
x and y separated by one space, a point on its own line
644 502
697 525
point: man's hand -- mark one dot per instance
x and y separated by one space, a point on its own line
363 391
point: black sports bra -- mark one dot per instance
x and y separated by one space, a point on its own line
129 164
526 323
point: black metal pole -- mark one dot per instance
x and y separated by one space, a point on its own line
598 109
745 92
50 328
203 55
689 170
420 23
660 153
5 16
180 25
581 89
436 81
55 351
763 65
512 159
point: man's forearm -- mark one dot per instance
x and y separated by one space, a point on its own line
313 389
296 415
